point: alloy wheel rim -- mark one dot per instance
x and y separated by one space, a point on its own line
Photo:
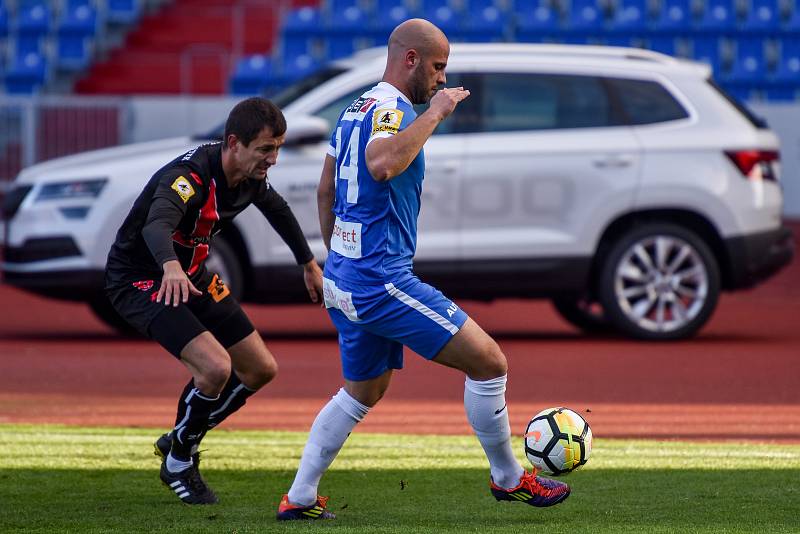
661 283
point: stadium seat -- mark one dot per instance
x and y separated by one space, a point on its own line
762 16
77 27
707 50
384 21
306 20
3 20
252 75
26 74
674 16
486 25
429 6
742 93
792 25
750 64
536 24
337 6
788 70
718 15
298 67
33 19
665 45
585 16
781 94
123 11
24 44
631 16
479 5
339 46
346 21
448 20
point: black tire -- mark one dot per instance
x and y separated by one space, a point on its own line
223 260
665 262
103 310
585 314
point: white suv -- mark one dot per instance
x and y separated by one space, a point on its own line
621 183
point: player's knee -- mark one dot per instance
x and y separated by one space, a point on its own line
493 364
213 378
260 375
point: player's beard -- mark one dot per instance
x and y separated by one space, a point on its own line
420 89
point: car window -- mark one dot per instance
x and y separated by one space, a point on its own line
332 111
646 102
511 102
452 123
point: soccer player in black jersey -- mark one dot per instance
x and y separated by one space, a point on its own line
157 280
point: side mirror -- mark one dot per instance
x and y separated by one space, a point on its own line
305 130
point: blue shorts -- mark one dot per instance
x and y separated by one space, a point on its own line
374 322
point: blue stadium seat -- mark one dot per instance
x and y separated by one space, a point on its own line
26 74
448 20
585 15
485 25
306 20
675 15
718 15
631 15
793 24
789 62
781 94
252 75
386 19
763 15
296 45
750 64
123 11
77 27
24 44
34 19
707 50
429 6
3 20
339 46
480 5
337 6
347 21
298 67
665 45
742 93
622 40
537 24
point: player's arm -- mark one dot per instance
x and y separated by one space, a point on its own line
281 218
169 205
326 194
389 156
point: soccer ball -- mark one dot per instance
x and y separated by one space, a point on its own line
558 441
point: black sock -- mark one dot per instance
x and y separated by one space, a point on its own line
233 397
182 402
191 429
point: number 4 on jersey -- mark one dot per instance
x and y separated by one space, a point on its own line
348 170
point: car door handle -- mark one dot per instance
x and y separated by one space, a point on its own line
613 162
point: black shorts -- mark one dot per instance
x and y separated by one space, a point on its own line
173 327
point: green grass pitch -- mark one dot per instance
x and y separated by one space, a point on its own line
65 479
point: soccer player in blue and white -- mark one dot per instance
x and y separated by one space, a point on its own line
369 201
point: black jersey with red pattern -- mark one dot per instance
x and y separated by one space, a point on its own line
182 206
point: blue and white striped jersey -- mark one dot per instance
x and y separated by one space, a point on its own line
375 233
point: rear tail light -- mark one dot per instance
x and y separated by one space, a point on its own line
755 164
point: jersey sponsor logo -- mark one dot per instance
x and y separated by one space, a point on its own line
346 238
184 189
341 300
386 120
218 289
143 285
360 105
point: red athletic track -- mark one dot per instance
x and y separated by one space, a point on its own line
739 379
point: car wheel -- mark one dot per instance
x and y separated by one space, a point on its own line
587 315
659 282
103 310
222 259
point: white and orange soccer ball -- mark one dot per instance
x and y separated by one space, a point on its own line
558 441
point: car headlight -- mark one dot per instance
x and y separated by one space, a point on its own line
72 189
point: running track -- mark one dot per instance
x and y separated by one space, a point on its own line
740 379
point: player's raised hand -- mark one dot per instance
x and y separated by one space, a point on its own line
175 285
445 100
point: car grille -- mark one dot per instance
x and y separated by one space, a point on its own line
42 248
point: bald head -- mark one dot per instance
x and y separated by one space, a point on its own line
418 53
416 34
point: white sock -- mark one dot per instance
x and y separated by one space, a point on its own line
328 433
176 466
485 403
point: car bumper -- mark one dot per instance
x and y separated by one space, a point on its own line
754 258
67 285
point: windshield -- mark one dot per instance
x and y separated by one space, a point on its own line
287 96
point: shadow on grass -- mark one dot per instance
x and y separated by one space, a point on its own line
400 501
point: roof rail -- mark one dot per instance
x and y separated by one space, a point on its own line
595 51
